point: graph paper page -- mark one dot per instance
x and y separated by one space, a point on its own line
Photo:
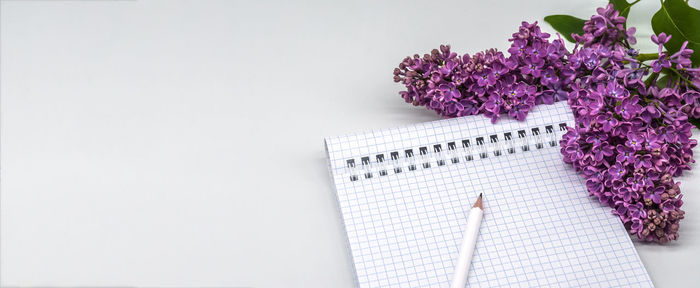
404 211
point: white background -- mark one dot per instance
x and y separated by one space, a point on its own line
179 143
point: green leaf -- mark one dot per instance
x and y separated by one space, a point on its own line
663 81
622 6
566 25
683 22
695 122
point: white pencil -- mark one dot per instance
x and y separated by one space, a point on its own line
459 280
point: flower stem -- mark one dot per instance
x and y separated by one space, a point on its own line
681 76
647 56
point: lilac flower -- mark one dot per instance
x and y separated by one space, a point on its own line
546 97
596 139
660 63
549 77
616 171
449 91
642 161
469 106
537 50
621 209
636 226
483 79
650 138
635 183
454 107
590 59
624 154
636 210
629 34
672 204
649 112
654 194
628 194
635 141
630 107
660 39
607 120
493 107
616 91
518 47
519 111
456 86
631 135
533 66
497 70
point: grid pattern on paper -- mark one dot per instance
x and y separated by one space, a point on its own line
539 230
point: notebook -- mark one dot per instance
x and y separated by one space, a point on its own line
404 195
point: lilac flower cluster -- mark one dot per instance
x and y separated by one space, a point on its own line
487 82
606 29
632 134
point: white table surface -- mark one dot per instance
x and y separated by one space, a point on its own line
179 143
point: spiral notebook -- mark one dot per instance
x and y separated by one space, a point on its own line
404 194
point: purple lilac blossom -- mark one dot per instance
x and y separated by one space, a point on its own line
645 123
631 134
487 82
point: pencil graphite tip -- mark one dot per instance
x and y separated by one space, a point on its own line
478 202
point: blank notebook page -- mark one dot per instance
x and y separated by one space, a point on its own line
404 195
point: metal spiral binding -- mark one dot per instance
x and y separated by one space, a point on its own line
453 152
